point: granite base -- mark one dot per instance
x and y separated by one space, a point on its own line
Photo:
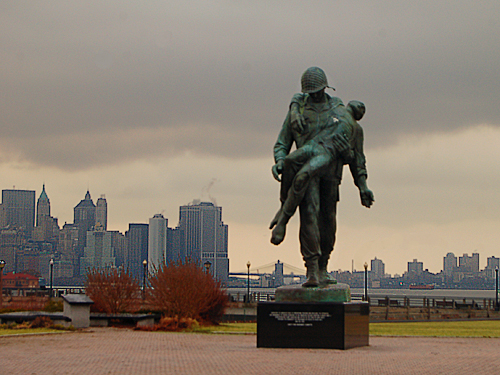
320 325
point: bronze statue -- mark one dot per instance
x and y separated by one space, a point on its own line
327 136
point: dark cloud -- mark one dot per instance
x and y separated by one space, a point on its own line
101 83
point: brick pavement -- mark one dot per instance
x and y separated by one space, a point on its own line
124 351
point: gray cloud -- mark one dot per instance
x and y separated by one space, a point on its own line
102 83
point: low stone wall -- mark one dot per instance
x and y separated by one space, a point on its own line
380 314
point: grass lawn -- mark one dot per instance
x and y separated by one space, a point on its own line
229 327
482 328
8 332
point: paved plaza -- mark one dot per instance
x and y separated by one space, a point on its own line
124 351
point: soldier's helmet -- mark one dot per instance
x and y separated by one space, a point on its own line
313 80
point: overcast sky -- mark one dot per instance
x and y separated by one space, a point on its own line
157 103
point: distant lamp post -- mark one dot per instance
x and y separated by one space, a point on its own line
51 276
496 290
2 265
144 273
207 265
248 281
366 281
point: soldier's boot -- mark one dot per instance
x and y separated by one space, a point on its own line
324 277
279 231
312 274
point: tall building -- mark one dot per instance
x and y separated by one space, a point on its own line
415 267
84 220
377 268
99 251
469 263
492 264
47 228
12 241
157 242
203 237
42 207
137 248
18 208
101 212
449 264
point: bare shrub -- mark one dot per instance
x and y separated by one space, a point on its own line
112 290
172 324
41 322
185 290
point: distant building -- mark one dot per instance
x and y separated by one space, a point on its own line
101 212
157 242
11 241
377 269
415 268
18 210
99 251
492 264
449 264
47 228
203 237
19 283
469 263
137 248
84 220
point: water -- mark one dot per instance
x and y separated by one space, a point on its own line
434 294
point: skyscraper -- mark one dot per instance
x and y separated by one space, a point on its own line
99 251
377 268
47 228
203 237
19 210
84 220
101 212
42 207
469 263
137 248
449 264
157 242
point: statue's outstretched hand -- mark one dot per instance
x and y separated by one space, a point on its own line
277 169
367 197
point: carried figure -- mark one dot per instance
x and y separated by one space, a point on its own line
327 136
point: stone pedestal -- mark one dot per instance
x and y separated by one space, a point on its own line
77 308
322 318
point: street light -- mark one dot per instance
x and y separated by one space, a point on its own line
496 290
366 281
207 265
51 276
144 273
2 265
248 281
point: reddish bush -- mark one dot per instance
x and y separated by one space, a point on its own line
171 324
41 322
185 290
112 290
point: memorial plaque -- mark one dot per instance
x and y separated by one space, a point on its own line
322 325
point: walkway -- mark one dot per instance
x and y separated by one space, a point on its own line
124 351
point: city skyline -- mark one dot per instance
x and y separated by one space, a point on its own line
155 105
482 258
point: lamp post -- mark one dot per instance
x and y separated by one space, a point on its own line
144 273
2 265
366 281
51 276
496 290
207 265
248 281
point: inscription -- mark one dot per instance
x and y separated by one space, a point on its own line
299 318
